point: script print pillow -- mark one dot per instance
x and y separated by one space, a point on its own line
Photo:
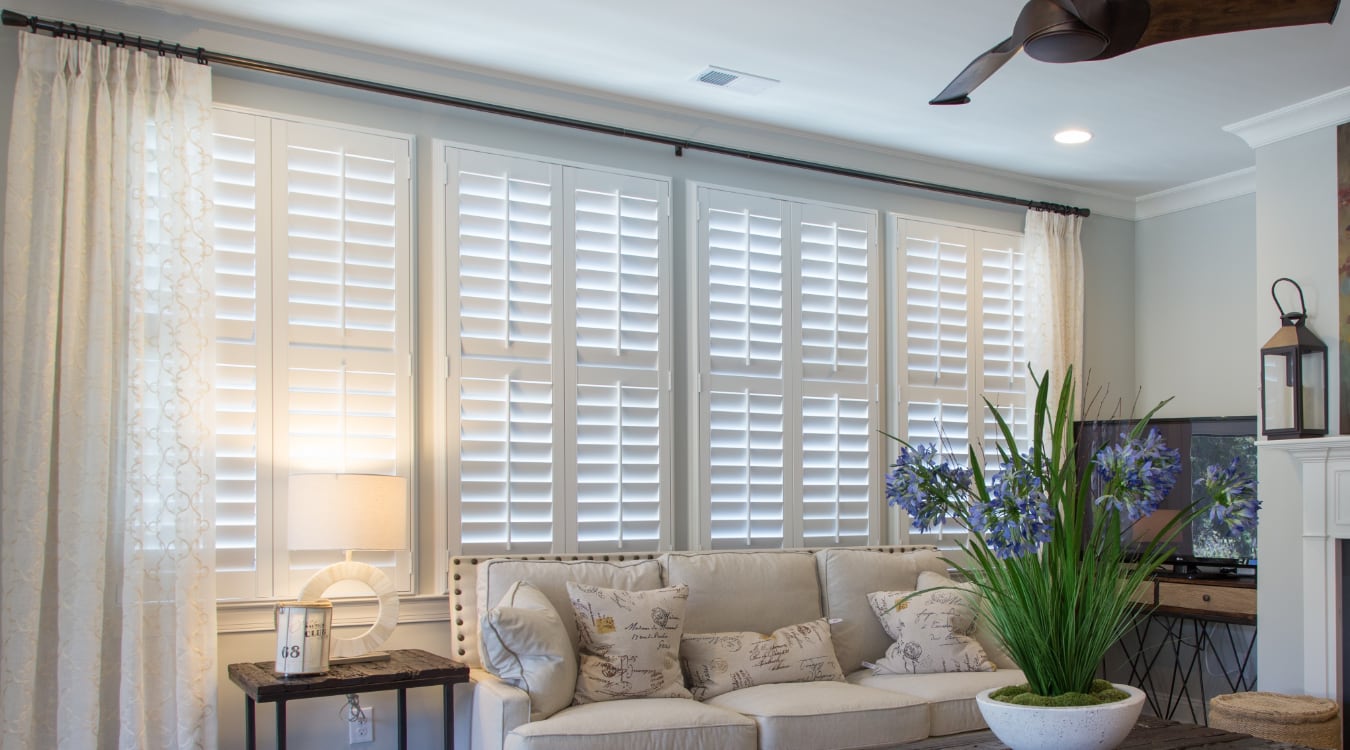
630 642
934 631
717 663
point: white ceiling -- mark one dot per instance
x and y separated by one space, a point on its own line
863 71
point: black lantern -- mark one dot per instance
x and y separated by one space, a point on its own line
1293 376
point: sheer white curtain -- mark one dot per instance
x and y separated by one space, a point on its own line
107 635
1054 289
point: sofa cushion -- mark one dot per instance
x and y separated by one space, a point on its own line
828 715
551 577
847 575
630 642
985 634
934 631
526 645
759 591
656 723
950 696
716 663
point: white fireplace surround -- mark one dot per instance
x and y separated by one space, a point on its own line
1325 464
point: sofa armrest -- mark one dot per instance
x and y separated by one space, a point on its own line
497 709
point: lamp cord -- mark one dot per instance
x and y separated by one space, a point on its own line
351 710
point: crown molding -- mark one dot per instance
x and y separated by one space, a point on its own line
1195 194
1332 108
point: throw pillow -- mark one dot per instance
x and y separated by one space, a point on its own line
933 632
630 642
717 663
985 634
525 644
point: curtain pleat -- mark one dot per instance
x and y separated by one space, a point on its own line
1054 289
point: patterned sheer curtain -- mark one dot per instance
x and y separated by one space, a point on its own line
1054 289
107 635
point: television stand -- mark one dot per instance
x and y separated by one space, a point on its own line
1195 617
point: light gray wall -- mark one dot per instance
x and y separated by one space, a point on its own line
1109 335
1193 309
1296 237
1108 242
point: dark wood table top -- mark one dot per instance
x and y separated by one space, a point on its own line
405 668
1149 734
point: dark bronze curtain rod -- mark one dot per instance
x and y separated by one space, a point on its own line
207 57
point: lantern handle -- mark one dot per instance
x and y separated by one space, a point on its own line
1293 317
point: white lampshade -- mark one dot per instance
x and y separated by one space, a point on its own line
347 512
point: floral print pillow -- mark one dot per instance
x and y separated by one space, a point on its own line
934 631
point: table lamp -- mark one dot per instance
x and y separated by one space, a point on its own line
351 512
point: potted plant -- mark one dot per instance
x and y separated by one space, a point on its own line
1048 570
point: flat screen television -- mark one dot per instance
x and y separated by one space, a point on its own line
1202 441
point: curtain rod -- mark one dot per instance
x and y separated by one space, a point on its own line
208 57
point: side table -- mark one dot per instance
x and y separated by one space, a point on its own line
405 668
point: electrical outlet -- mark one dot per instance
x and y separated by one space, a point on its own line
361 732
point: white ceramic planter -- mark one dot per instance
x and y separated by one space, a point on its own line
1051 728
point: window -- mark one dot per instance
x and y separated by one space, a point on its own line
787 374
558 393
961 301
314 332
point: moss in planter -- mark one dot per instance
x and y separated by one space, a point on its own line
1021 695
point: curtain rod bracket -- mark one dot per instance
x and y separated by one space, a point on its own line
679 151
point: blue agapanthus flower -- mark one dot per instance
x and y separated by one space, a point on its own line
1018 517
922 483
1233 493
1136 474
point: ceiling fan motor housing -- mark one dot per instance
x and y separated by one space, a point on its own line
1066 42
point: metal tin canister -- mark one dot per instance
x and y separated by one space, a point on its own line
303 630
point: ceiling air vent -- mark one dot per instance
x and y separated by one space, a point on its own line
734 80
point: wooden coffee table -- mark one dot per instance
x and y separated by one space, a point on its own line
1148 734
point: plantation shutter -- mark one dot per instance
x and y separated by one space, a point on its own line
621 393
314 369
558 356
961 293
787 447
838 404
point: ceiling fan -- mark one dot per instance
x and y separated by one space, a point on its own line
1079 30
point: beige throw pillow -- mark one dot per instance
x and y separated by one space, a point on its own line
933 632
717 663
525 644
984 633
630 642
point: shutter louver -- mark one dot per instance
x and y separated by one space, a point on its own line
1003 337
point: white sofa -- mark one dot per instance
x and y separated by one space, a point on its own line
758 591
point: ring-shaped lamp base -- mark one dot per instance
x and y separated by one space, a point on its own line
363 647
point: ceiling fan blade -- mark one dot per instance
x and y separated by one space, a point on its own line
1171 20
977 72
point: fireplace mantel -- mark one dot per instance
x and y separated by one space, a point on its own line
1326 520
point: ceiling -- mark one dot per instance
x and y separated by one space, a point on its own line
863 71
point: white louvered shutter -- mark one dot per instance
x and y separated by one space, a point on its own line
787 401
558 356
962 341
1002 337
314 332
838 373
621 398
743 398
242 195
504 234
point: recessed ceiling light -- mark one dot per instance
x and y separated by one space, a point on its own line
1073 136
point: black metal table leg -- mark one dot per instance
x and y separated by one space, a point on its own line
402 719
281 725
250 731
448 717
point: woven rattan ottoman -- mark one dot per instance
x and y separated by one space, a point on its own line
1296 719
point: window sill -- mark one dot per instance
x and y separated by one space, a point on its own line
258 616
